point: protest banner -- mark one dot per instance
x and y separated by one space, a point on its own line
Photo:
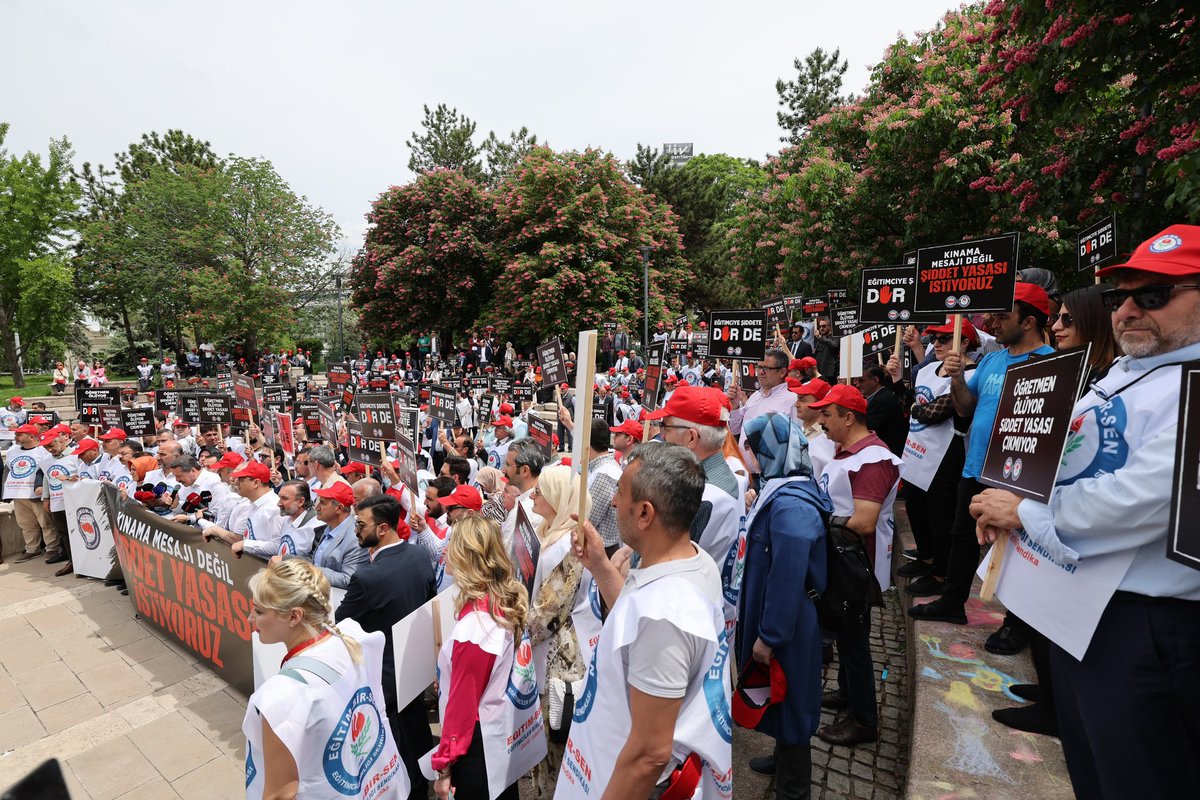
194 592
739 333
542 432
374 414
269 428
680 321
338 375
267 379
285 434
348 392
166 400
1183 535
791 302
224 378
815 306
280 394
748 376
777 313
553 363
878 339
836 297
137 422
1097 243
377 383
359 447
89 526
526 548
188 409
310 418
97 396
453 383
888 294
244 394
102 416
843 321
1029 434
487 404
979 275
407 436
522 391
215 409
239 420
303 384
656 360
502 386
680 339
328 423
441 404
479 382
700 344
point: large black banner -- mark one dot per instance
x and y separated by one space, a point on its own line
977 275
1184 540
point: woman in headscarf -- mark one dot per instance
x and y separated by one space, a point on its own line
777 621
551 631
491 484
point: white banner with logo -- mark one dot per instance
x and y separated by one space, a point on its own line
92 547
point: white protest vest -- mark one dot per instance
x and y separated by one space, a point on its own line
440 576
549 558
724 539
498 454
835 480
732 570
587 616
22 472
510 716
927 444
56 471
602 718
115 472
337 732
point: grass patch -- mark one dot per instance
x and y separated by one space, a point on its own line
38 385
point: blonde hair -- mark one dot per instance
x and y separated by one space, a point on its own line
559 486
483 571
295 583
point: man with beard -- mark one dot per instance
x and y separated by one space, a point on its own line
396 581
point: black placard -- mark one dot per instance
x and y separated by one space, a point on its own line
328 422
836 297
348 395
188 409
887 294
1097 243
777 313
1183 541
244 395
279 394
522 391
700 344
479 382
979 275
791 302
137 421
504 385
526 549
878 339
97 396
441 404
407 422
656 364
359 447
338 375
310 417
737 334
486 404
554 365
843 321
452 383
816 306
215 409
542 432
375 415
166 399
681 320
747 376
1032 422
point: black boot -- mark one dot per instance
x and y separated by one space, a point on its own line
793 772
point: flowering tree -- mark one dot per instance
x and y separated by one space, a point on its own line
426 264
568 230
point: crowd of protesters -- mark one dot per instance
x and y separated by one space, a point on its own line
704 548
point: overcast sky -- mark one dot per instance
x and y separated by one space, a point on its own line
329 91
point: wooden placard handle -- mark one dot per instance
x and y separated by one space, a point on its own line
992 576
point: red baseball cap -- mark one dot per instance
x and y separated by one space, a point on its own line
39 420
699 404
1174 251
503 422
17 401
228 460
339 493
181 424
467 497
85 444
1034 295
758 688
845 396
505 408
815 388
113 433
253 469
968 330
354 466
49 437
630 428
807 362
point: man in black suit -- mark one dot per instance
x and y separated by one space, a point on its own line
396 581
884 415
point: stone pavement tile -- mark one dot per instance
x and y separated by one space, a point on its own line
26 652
10 695
164 670
219 778
112 768
89 653
173 745
63 715
108 613
157 789
19 726
73 785
114 683
47 620
48 685
143 650
123 633
11 627
219 717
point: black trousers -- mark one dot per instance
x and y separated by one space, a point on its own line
1129 713
410 729
468 775
931 511
962 557
59 518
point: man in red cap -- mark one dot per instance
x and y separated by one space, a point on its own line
87 450
22 487
11 417
861 481
977 395
627 435
803 368
497 452
820 446
1110 512
337 553
252 480
112 468
59 467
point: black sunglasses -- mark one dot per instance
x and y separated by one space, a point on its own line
945 338
1147 298
1066 319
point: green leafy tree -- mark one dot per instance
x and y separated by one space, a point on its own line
37 202
503 156
647 164
816 89
447 142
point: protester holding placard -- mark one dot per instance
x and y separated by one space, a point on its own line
315 729
977 395
524 463
772 394
483 660
1125 712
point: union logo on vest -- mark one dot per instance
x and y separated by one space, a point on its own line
522 680
89 528
355 745
714 691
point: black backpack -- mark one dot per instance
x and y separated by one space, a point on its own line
850 586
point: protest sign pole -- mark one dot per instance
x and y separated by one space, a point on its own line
992 577
899 342
957 333
583 423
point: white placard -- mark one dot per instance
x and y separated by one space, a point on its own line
851 356
88 528
415 649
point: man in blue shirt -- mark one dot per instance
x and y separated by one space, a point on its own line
977 396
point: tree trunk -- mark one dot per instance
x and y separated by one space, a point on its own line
128 327
8 341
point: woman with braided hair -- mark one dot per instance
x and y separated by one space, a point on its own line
317 729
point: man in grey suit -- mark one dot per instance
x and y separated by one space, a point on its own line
336 549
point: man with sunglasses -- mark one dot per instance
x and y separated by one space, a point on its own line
772 395
977 395
1127 715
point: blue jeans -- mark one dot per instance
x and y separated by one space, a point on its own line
856 672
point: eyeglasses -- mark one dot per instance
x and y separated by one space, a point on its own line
1147 298
682 427
766 367
1066 319
359 525
945 338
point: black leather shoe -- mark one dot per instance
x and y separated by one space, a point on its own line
1033 719
925 586
65 569
848 733
1008 641
910 552
763 765
57 557
1027 691
915 569
833 700
940 610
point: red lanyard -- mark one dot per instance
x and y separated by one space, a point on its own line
303 646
